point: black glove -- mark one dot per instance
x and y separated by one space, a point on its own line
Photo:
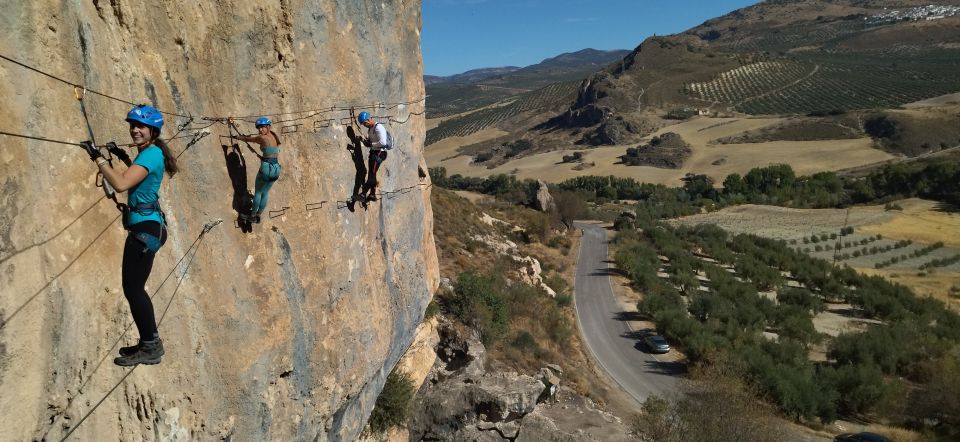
91 150
118 152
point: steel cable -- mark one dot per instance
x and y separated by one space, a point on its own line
195 248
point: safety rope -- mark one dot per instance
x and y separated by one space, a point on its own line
385 195
5 321
76 85
195 248
197 136
409 115
100 180
312 112
31 137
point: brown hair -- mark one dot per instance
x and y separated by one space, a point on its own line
169 161
277 137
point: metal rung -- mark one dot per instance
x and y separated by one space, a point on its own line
315 206
278 213
290 129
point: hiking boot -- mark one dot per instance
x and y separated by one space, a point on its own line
372 198
129 351
255 219
146 352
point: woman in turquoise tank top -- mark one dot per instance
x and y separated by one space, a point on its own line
269 171
144 221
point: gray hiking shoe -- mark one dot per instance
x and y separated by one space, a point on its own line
128 351
146 352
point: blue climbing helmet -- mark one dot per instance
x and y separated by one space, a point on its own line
363 117
263 121
147 115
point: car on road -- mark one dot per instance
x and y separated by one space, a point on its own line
656 344
860 437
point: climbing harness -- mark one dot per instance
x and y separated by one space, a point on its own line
273 169
151 243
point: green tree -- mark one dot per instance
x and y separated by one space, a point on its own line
478 302
393 406
734 185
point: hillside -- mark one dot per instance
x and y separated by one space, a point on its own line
471 76
807 78
783 57
284 330
480 87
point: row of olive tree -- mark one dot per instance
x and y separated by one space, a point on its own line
865 371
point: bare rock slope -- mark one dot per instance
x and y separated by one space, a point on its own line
461 400
286 332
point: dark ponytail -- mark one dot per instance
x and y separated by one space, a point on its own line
277 137
169 161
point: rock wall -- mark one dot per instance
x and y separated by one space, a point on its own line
285 332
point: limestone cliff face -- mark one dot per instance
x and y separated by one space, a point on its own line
283 333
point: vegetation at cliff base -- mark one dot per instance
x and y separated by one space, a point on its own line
392 408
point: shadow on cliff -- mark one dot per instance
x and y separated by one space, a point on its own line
356 154
237 170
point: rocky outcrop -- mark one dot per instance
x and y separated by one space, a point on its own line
422 354
285 332
530 272
618 130
461 401
667 151
544 201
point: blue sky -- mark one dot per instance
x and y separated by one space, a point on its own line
459 35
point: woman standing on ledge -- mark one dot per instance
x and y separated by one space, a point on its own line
269 172
145 223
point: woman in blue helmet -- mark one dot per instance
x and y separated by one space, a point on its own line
145 223
269 172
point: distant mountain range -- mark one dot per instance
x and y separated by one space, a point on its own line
782 57
469 76
479 87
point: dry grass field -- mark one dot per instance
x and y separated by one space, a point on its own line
444 152
949 99
920 221
717 161
937 285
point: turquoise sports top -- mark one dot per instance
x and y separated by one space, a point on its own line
148 190
270 150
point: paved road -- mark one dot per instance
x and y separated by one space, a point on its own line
610 340
612 343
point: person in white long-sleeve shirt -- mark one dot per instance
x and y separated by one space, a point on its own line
378 142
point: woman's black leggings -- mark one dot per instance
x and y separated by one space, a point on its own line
137 264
